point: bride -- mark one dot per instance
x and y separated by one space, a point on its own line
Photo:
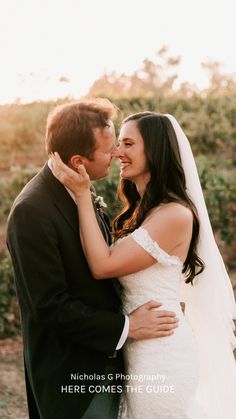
164 248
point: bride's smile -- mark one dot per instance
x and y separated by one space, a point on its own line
133 160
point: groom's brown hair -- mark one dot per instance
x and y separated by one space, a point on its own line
69 129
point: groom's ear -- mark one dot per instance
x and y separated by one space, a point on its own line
76 161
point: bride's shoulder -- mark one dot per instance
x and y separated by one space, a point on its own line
171 213
178 209
170 225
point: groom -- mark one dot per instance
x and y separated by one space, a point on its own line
72 325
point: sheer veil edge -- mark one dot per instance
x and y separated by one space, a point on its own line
209 304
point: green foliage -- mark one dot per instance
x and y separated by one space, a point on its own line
9 314
23 125
107 188
209 123
10 188
219 184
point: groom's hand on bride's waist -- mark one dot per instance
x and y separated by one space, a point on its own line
146 323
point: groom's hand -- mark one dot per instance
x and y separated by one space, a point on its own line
146 323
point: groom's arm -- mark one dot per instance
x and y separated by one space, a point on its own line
146 322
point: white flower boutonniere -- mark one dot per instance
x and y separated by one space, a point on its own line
98 200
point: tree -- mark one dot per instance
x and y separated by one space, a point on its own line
153 78
219 83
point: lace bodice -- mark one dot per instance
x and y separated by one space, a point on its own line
172 356
160 281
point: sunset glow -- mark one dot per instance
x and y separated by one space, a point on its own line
41 41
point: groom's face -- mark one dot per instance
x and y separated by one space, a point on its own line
98 165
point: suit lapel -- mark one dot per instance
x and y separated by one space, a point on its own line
103 225
68 208
63 201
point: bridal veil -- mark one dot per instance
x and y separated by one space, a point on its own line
209 305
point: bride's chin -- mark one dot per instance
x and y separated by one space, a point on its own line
123 176
124 173
127 178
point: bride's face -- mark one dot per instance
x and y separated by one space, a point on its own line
133 161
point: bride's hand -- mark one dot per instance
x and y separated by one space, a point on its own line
78 182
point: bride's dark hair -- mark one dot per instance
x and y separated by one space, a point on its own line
167 184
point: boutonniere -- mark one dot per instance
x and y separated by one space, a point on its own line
98 200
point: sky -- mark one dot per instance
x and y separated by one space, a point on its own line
42 40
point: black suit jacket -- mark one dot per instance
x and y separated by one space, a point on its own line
70 322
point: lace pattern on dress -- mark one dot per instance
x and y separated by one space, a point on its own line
142 237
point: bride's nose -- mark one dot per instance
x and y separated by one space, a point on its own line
118 151
115 152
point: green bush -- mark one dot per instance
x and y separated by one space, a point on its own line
9 313
209 123
10 188
107 188
218 180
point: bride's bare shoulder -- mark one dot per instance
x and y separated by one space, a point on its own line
171 209
171 213
170 225
178 209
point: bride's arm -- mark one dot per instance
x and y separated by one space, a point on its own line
127 256
104 261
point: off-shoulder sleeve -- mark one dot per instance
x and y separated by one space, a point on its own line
142 237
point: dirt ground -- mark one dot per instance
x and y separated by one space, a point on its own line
13 403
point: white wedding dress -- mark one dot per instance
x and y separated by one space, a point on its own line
162 373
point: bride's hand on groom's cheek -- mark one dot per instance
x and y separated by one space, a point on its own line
146 323
76 180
